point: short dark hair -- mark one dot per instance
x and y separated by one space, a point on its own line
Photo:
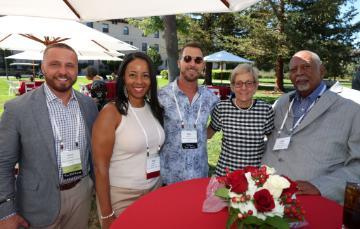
121 100
91 71
192 44
59 45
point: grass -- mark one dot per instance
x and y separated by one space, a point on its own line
214 145
265 92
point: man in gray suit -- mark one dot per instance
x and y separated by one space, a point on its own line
316 140
47 132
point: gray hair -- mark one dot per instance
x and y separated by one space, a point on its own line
244 68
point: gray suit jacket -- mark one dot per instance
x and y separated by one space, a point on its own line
26 137
325 147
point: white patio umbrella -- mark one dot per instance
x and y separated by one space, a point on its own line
222 57
38 55
34 33
95 10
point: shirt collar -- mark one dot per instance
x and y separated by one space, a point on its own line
50 96
313 96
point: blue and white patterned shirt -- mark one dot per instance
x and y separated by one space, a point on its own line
178 164
66 120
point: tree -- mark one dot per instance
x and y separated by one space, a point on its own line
324 26
170 24
171 41
271 31
4 63
155 57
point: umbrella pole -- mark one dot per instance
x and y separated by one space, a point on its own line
221 75
6 71
33 66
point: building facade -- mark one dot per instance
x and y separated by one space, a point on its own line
123 31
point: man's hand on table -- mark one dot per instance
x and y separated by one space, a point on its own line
306 188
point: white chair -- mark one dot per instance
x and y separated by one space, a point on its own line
13 87
83 89
29 86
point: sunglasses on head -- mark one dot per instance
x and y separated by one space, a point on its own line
197 60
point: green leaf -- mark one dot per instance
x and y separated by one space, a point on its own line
222 192
277 222
253 220
233 216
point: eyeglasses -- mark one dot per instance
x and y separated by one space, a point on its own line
248 84
197 60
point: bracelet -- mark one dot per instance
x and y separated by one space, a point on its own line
8 216
108 216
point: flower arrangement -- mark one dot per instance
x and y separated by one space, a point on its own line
258 198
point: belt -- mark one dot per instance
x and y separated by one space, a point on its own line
68 186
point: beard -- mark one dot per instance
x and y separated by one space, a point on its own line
190 74
59 86
302 87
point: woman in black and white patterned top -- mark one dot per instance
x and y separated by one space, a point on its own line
244 122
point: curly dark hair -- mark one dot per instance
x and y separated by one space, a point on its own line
121 100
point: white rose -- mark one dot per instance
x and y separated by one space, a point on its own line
252 188
275 184
270 170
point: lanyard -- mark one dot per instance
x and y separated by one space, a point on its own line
302 116
57 131
179 112
145 134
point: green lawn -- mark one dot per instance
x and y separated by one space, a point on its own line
214 144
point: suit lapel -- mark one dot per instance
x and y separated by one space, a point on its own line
41 117
84 112
324 103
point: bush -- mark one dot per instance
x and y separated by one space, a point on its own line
221 75
164 74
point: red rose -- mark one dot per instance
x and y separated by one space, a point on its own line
290 190
238 182
250 169
263 200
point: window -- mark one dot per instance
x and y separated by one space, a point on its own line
105 28
90 24
129 42
143 34
156 34
144 47
126 30
156 47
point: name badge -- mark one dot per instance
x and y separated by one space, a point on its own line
189 139
152 166
71 163
282 143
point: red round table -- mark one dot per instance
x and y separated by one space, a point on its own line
180 206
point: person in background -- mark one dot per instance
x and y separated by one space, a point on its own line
47 132
355 84
316 139
187 108
244 121
127 137
92 74
98 92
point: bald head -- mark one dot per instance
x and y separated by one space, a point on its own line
315 57
306 72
